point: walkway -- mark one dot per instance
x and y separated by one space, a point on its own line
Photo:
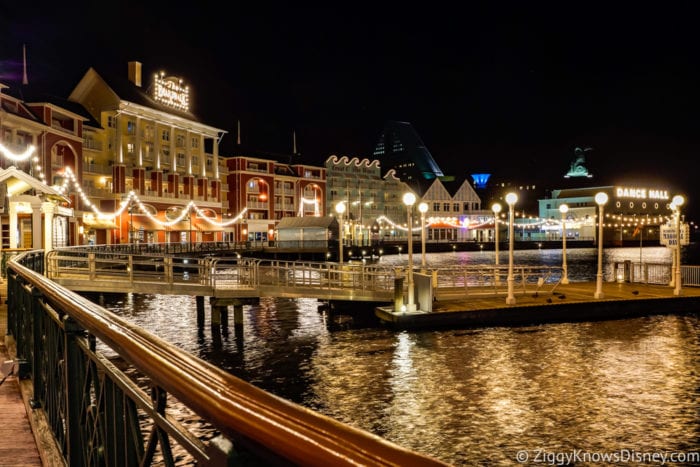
22 443
17 444
567 303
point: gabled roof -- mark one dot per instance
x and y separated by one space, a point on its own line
19 182
128 91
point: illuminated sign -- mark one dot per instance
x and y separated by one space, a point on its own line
169 91
641 193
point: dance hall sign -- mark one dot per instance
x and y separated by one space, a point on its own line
641 193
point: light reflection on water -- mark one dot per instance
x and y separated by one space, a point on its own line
466 396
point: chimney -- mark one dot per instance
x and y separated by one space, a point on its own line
135 73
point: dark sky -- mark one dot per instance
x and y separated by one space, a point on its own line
509 88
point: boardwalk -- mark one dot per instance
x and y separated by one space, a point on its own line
17 444
572 302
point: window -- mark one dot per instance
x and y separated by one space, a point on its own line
446 207
180 141
195 142
455 207
130 148
436 207
180 159
165 135
130 128
111 121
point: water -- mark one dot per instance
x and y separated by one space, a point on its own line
469 396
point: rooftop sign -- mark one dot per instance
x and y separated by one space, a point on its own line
170 91
641 193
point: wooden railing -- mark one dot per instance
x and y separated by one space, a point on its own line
110 392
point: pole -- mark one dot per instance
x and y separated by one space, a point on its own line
411 305
511 198
600 198
677 202
409 199
677 289
564 271
423 208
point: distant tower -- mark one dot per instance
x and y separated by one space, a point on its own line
25 79
401 149
294 143
238 133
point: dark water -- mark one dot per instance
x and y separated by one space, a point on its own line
471 397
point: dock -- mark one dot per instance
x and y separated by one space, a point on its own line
573 302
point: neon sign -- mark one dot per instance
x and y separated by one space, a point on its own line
641 193
169 91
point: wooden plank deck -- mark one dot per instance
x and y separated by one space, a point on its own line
24 439
17 444
567 303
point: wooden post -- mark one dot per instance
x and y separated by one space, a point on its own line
200 311
398 294
238 315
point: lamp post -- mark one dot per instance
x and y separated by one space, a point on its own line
131 221
423 208
600 198
511 199
340 209
496 208
677 202
189 217
409 200
563 209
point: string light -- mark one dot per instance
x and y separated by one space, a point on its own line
17 157
132 197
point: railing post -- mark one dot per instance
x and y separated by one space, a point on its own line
91 265
75 377
168 269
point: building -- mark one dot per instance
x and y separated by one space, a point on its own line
266 191
401 149
150 171
35 135
632 214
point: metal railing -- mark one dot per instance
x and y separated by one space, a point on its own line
132 409
168 270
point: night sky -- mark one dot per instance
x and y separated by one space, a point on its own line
511 88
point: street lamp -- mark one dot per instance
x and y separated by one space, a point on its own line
600 198
340 209
423 208
131 221
511 199
496 211
409 199
676 204
563 209
189 217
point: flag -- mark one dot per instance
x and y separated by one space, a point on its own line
636 231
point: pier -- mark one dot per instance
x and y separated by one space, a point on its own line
567 303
